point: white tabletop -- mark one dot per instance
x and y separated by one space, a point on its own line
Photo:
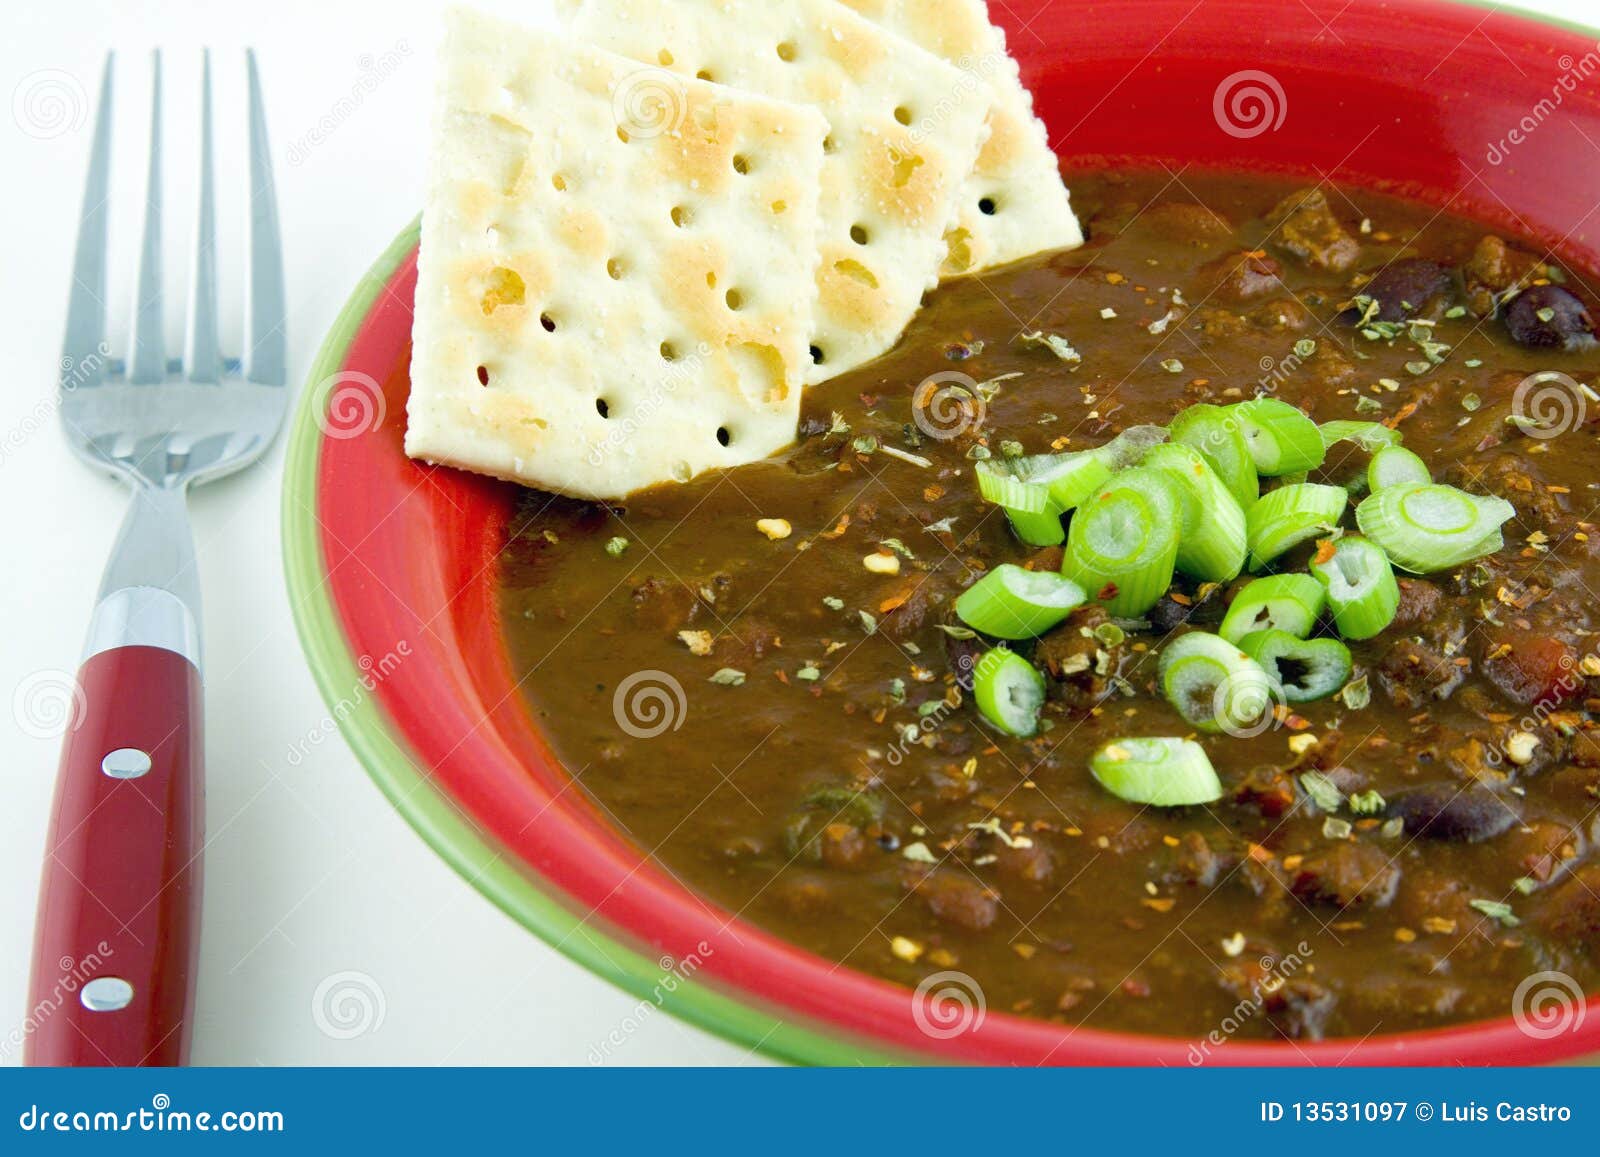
332 934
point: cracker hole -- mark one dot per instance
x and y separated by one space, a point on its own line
741 163
858 234
669 352
548 322
903 115
735 300
703 74
560 182
817 357
483 375
856 272
723 437
614 269
711 279
664 58
829 145
622 134
681 216
602 407
786 51
779 207
986 206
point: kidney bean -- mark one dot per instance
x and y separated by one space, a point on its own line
1447 811
1549 317
1402 288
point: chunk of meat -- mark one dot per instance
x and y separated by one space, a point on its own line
1494 269
1196 863
957 898
1419 603
1242 276
1305 227
1295 1005
1347 875
1529 669
1412 672
1183 221
1079 665
1506 474
1570 913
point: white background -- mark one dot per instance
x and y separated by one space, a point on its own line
309 873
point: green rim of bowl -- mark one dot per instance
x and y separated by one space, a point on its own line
393 768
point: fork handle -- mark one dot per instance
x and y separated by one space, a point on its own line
115 951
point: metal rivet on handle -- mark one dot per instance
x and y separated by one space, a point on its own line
125 763
106 994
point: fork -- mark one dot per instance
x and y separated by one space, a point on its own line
116 943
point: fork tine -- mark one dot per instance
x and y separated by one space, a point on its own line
266 356
81 361
202 356
149 362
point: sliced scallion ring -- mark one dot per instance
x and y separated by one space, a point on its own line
1009 691
1302 669
1123 542
1214 432
1067 478
1214 685
1158 771
1395 466
1278 602
1281 439
1041 529
1361 586
1425 528
1290 515
1211 532
1012 603
1370 436
1002 483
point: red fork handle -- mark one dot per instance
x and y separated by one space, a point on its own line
119 909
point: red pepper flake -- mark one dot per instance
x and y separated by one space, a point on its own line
1400 415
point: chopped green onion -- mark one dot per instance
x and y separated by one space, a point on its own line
1041 529
1215 433
1159 771
1361 586
1370 436
1009 691
1131 445
1001 483
1425 528
1290 515
1214 685
1278 602
1395 466
1067 478
1282 440
1211 531
1123 542
1302 669
1012 603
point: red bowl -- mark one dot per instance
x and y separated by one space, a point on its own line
392 565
